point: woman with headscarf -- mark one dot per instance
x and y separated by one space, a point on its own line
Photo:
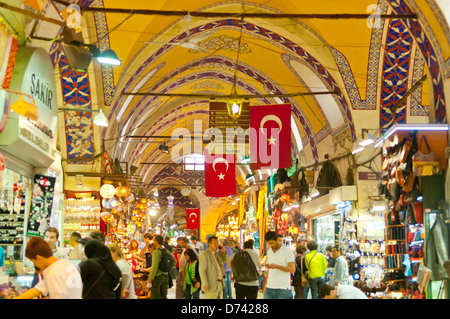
100 274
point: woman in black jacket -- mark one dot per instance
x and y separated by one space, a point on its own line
100 274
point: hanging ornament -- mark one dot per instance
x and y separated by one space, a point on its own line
130 198
123 191
112 203
107 191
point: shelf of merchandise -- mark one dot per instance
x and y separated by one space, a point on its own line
81 216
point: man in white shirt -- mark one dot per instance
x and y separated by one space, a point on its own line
61 278
280 264
340 274
51 237
341 292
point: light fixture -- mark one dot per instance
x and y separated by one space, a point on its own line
250 175
295 204
155 192
410 127
314 192
79 182
24 108
357 148
234 107
369 140
109 57
100 119
164 148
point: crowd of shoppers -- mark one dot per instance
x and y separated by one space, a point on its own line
95 270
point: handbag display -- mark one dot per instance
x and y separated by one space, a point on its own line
426 164
418 212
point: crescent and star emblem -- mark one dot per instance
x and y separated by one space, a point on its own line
220 160
274 118
195 216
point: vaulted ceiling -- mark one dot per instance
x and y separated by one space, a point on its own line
366 68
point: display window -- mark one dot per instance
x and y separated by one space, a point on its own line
15 192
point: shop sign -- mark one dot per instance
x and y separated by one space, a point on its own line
41 205
368 176
34 139
34 75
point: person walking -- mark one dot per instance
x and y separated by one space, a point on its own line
212 272
197 245
192 280
61 278
162 263
299 280
101 277
246 289
316 264
128 291
340 274
280 265
227 292
183 242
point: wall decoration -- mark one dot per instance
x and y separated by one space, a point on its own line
41 205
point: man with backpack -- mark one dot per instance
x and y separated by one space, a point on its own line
245 265
162 263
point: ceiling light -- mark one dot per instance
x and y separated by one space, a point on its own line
410 127
100 119
79 182
358 148
369 140
295 204
109 57
314 192
164 148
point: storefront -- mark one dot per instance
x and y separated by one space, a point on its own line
30 182
413 182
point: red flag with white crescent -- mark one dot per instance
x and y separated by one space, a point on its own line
192 218
220 176
270 136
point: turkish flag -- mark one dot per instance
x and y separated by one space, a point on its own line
192 218
220 178
270 136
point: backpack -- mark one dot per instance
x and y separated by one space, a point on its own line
164 262
243 267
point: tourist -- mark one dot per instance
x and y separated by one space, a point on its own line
212 272
329 255
340 274
183 244
280 264
192 280
134 251
298 281
96 234
227 292
316 264
246 289
51 237
128 291
77 250
197 245
61 279
162 263
341 292
100 274
167 245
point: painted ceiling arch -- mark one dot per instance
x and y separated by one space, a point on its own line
345 55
